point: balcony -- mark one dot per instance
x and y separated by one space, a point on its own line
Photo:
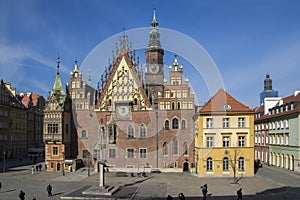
52 137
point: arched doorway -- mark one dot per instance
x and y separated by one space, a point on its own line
58 167
185 166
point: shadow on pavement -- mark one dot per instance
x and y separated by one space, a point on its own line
274 194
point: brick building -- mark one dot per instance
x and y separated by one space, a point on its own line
140 120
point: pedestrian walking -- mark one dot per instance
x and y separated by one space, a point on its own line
49 190
0 186
239 194
22 195
40 167
32 170
204 191
181 196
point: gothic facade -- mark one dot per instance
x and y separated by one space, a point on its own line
60 136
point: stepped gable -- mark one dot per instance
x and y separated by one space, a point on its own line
223 103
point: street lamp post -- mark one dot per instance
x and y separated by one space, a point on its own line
63 163
156 114
100 157
89 164
4 154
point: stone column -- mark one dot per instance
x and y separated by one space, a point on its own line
101 175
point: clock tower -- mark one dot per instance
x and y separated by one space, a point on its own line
154 76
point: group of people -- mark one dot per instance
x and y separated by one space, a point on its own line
204 193
36 168
48 189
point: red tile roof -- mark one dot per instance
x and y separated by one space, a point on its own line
221 100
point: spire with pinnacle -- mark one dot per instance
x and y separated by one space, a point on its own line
58 61
57 89
154 42
154 23
76 66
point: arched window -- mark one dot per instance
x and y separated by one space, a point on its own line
209 164
173 105
175 146
167 125
142 131
185 149
175 123
130 131
135 102
225 164
241 164
183 124
178 105
165 149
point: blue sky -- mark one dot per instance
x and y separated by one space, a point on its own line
245 38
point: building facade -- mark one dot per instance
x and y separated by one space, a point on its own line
34 104
13 123
140 120
282 123
60 136
224 145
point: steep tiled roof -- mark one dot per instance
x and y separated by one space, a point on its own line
223 103
259 109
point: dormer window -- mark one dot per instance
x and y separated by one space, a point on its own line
292 106
226 107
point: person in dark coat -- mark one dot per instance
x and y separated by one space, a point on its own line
181 196
239 194
0 186
49 190
22 195
204 191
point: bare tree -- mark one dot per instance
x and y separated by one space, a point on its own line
233 159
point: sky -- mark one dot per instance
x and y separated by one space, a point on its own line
245 39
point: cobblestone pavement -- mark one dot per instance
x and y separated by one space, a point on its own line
154 186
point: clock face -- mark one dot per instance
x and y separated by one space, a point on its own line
123 111
154 69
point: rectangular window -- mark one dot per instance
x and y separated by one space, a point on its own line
55 151
85 153
241 122
143 153
209 122
226 141
52 128
241 141
209 142
112 153
130 153
225 122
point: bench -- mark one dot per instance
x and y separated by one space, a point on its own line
121 174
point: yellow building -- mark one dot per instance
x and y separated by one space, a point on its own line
224 145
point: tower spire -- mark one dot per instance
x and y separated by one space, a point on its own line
154 22
76 66
154 42
58 62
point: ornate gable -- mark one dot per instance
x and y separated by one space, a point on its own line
123 85
53 104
